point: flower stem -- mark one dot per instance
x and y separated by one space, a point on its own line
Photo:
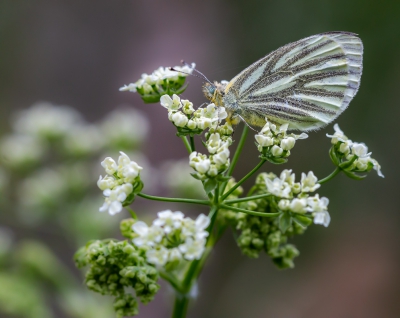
254 197
187 145
331 176
131 212
192 146
243 179
155 198
238 150
228 207
180 306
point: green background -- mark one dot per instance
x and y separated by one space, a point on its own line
79 53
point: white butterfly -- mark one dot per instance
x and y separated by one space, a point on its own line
306 84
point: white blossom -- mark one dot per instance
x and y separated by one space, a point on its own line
278 187
157 257
338 135
179 119
287 143
169 220
322 217
172 104
360 150
264 141
309 182
298 205
192 249
109 165
108 182
276 150
148 236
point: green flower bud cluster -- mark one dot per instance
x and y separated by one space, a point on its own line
115 266
258 233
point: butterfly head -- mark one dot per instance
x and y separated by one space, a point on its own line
215 92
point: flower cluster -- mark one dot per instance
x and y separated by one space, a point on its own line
114 267
352 157
162 81
188 120
260 233
120 184
275 143
294 196
171 238
218 161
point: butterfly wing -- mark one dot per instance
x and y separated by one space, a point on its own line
307 83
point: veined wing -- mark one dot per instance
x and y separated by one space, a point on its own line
307 83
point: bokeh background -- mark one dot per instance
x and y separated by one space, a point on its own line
78 53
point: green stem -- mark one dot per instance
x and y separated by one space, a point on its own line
171 279
228 207
331 176
236 156
187 145
180 306
243 179
238 150
254 197
192 146
131 212
155 198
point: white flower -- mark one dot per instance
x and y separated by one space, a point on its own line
309 182
338 135
174 255
322 217
377 168
288 143
192 249
317 204
276 151
278 187
148 236
360 150
298 205
109 165
112 207
264 141
187 107
287 176
108 182
169 220
213 143
199 162
221 158
179 119
130 171
157 257
191 124
345 146
197 228
172 104
284 205
131 88
119 193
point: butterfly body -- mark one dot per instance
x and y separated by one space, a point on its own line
306 84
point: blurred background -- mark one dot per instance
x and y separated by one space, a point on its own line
78 53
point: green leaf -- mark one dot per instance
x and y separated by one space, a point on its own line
285 221
222 178
194 175
333 155
347 164
302 220
210 184
354 176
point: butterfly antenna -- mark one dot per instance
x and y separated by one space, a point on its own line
203 76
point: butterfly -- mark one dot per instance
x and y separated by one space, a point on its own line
306 84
